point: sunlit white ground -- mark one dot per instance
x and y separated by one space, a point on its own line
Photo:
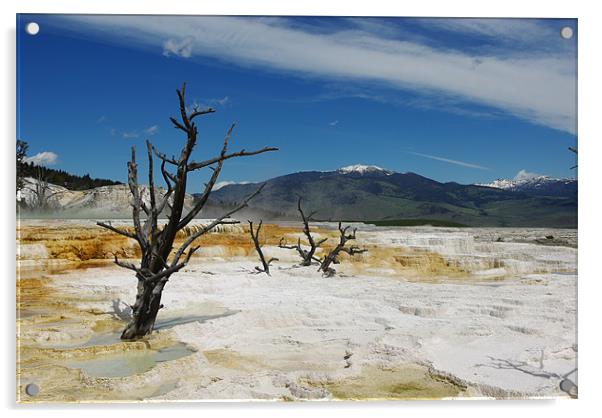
506 329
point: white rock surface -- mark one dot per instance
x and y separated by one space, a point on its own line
100 201
515 336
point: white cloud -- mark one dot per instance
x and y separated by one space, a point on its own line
525 175
538 87
44 158
449 160
512 30
101 119
152 130
181 48
221 184
334 123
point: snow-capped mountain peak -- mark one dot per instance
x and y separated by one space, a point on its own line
363 169
536 184
509 184
538 181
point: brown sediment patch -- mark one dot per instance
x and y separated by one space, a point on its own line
230 359
33 293
73 243
404 263
409 381
407 263
238 241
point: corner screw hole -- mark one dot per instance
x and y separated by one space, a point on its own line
32 28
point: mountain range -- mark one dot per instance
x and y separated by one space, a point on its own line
363 192
357 193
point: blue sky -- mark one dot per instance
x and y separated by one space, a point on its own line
465 100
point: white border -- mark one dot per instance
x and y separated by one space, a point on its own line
590 153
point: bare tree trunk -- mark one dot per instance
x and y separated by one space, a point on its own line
41 191
156 242
255 237
21 153
307 256
332 257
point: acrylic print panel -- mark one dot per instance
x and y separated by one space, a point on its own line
392 217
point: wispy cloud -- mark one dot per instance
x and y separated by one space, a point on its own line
539 88
419 101
334 123
222 101
44 158
523 31
101 119
130 134
151 130
449 160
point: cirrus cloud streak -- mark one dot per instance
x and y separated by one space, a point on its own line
539 87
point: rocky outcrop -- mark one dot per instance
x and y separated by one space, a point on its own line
100 201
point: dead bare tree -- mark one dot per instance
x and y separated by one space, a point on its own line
307 256
255 237
22 147
332 257
41 192
156 242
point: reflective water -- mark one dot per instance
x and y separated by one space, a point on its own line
129 363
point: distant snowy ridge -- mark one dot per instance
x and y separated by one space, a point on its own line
536 184
363 169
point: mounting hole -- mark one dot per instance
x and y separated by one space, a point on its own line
32 389
566 32
32 28
569 387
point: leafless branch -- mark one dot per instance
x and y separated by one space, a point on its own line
123 264
307 256
255 236
164 157
123 232
332 257
209 185
243 153
197 112
216 222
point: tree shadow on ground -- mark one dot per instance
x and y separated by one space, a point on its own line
565 384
